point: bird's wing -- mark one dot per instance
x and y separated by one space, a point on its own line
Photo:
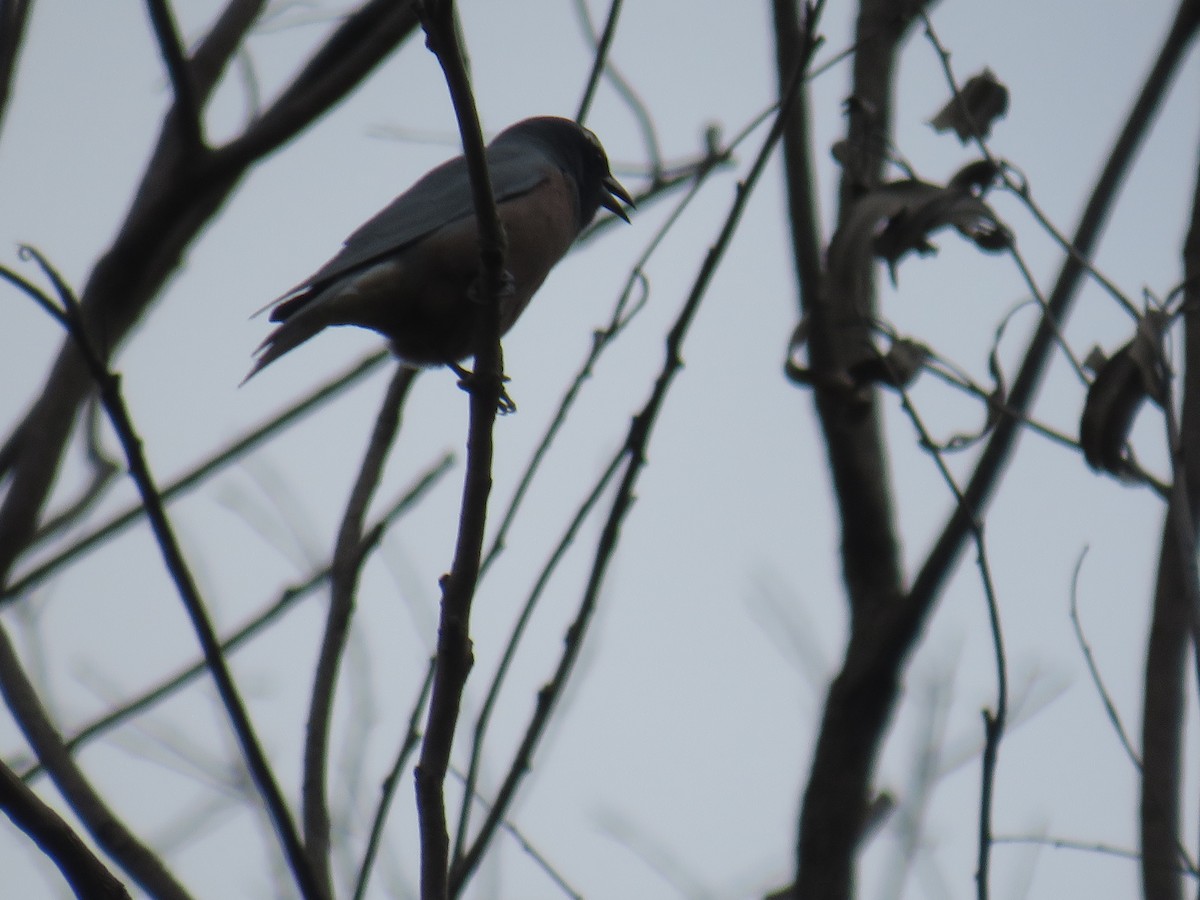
442 196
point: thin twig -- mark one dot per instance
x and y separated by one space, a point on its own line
1089 659
186 112
510 649
600 60
257 624
71 317
939 562
638 438
993 721
348 559
1020 185
391 782
624 311
197 475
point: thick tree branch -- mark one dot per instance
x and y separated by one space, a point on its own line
1173 620
861 698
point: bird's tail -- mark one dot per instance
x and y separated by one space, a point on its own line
297 327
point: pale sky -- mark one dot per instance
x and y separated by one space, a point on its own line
688 726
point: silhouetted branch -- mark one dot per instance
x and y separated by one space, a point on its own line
1173 618
634 453
510 652
85 873
599 60
231 453
624 90
348 558
186 111
14 16
861 697
454 656
388 790
71 317
179 194
256 625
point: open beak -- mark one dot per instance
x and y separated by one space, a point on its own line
613 192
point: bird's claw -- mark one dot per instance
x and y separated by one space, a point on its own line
468 380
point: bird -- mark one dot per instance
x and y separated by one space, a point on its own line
408 273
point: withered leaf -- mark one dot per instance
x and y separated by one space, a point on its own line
897 368
1123 382
980 102
910 211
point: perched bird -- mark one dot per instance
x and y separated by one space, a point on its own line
408 272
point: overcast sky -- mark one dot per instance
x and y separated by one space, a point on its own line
688 728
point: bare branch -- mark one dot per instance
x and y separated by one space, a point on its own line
71 315
173 204
634 453
186 114
14 16
1174 617
348 558
217 461
600 60
407 747
454 657
287 599
85 873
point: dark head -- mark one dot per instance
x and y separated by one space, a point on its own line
579 153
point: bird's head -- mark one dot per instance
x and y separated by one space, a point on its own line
581 155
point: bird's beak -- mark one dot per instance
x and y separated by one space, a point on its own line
612 193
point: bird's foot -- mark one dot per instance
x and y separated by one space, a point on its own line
470 381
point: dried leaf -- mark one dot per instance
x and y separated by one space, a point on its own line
910 211
897 368
1123 382
910 228
982 100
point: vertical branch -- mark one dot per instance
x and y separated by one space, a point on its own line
454 656
407 747
1172 618
862 696
994 721
803 214
348 558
